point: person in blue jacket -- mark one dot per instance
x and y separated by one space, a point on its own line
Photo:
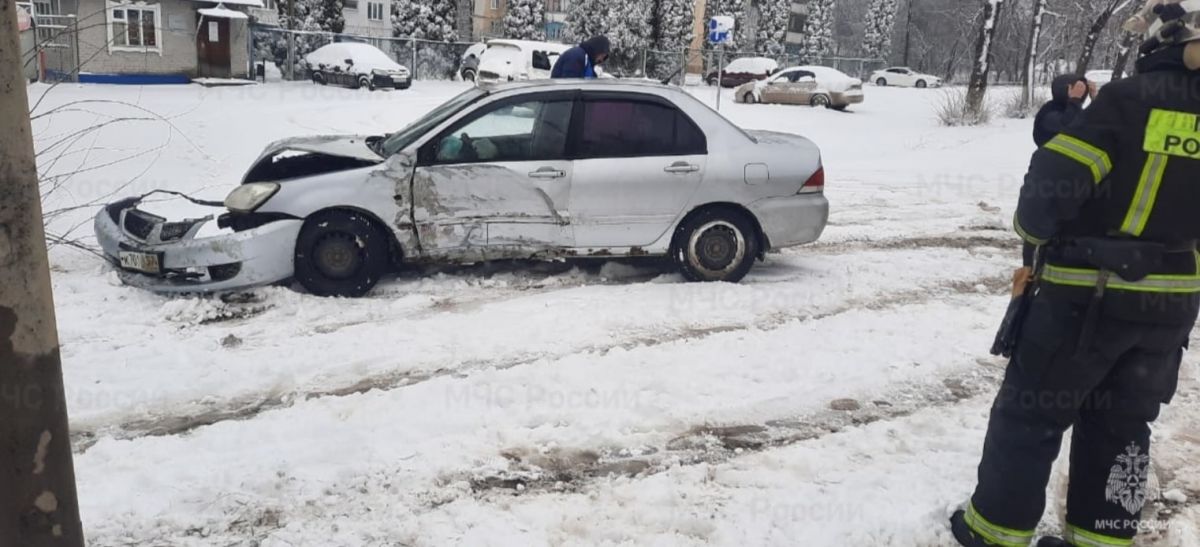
581 61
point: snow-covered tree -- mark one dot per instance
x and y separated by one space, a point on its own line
673 24
525 20
329 16
306 15
425 19
771 34
877 34
626 23
818 31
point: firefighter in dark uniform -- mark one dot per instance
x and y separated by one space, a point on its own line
1113 204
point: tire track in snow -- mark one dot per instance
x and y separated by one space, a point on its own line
195 414
245 408
560 470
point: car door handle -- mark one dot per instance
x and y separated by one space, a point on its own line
548 173
682 167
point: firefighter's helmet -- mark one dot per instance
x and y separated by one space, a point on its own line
1166 23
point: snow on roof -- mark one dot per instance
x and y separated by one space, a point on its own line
250 3
221 12
753 65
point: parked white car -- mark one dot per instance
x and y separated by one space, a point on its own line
516 60
469 64
551 170
903 76
356 65
804 85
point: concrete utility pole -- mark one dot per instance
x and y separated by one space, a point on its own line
38 505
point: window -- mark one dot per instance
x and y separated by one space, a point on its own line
498 27
796 22
375 11
350 4
554 31
628 128
541 60
495 4
522 131
553 6
133 27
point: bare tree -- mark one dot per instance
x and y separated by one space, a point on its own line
1129 43
977 87
1035 36
1108 8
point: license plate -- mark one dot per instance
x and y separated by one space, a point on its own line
143 262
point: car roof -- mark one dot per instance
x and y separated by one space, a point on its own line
529 44
600 84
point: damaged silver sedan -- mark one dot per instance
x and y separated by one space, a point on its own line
537 170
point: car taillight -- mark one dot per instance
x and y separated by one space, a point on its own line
815 183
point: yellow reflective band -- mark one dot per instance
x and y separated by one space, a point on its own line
1025 235
1173 133
998 535
1146 195
1091 157
1082 538
1082 277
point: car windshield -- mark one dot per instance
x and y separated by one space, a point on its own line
401 139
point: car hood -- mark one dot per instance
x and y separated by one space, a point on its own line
346 146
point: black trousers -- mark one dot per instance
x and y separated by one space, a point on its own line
1109 390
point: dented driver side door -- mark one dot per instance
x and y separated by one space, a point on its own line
497 183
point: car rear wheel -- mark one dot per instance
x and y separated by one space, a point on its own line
921 84
882 82
715 245
819 100
340 253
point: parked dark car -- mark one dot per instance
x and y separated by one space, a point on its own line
743 70
356 65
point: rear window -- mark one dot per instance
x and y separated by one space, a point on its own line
618 128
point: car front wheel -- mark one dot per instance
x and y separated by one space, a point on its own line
715 245
318 78
882 82
340 253
921 84
468 75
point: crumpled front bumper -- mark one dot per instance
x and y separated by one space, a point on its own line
258 256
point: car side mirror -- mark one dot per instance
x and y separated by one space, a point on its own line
350 62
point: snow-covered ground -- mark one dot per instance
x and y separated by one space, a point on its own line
838 396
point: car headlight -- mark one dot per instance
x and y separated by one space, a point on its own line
248 197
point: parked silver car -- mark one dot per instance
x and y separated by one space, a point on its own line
549 169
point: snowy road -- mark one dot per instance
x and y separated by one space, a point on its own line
838 396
